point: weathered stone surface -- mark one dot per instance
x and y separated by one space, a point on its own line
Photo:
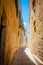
36 34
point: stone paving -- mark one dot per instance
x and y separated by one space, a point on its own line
22 59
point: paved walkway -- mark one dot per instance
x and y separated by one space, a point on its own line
22 59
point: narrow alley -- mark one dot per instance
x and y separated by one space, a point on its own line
21 32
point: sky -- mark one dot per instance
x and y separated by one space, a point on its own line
25 14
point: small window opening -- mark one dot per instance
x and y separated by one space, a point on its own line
35 28
34 10
34 23
42 38
33 3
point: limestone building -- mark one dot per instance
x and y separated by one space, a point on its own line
36 30
8 30
11 30
21 31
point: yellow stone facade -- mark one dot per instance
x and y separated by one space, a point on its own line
11 43
12 32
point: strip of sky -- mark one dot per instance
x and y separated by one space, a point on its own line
25 13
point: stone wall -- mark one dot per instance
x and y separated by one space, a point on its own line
36 29
11 36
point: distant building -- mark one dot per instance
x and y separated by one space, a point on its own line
21 31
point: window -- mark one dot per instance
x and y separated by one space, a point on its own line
34 26
33 3
34 13
34 10
34 23
42 38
